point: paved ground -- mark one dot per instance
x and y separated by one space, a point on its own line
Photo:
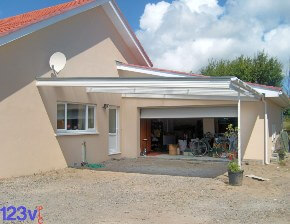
87 196
183 166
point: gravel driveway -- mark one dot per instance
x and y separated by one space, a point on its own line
89 196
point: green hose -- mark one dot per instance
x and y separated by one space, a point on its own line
96 166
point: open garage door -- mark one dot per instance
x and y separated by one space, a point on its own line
189 112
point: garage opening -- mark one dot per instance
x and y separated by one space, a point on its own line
165 132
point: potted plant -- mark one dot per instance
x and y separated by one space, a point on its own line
232 135
235 173
282 154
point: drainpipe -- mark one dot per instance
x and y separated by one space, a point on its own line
84 153
266 159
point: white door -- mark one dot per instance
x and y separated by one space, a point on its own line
114 131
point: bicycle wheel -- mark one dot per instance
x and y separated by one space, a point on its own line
202 148
193 148
198 148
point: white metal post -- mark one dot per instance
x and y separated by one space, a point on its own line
239 131
266 128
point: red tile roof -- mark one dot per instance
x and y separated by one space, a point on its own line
12 24
162 70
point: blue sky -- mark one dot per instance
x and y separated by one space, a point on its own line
133 9
213 30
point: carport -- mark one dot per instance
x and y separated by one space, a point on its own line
162 127
189 88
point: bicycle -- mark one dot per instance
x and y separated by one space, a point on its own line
217 150
202 148
198 147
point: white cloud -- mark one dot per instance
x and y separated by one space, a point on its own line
185 34
153 15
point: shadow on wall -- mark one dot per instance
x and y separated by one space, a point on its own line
26 58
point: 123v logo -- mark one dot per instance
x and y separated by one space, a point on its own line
21 213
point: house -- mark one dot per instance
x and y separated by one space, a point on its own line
109 95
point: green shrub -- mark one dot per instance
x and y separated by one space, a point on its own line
282 154
234 167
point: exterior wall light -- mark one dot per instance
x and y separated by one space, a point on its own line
106 106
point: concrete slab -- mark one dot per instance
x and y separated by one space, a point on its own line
169 166
191 158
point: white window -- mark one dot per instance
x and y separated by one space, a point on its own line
76 118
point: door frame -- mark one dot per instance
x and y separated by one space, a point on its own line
145 133
118 148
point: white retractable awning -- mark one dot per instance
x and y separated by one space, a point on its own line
217 88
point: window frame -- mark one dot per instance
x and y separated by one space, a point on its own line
87 129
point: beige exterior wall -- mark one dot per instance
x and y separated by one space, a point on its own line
27 142
208 125
28 115
252 130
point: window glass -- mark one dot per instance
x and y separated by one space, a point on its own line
91 117
112 121
76 117
60 116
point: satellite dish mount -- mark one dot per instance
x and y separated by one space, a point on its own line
57 62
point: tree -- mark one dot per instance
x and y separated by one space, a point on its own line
286 81
261 69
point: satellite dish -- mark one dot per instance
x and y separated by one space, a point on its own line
57 62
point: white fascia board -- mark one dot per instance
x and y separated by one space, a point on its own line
147 71
125 32
47 22
278 97
267 92
188 97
